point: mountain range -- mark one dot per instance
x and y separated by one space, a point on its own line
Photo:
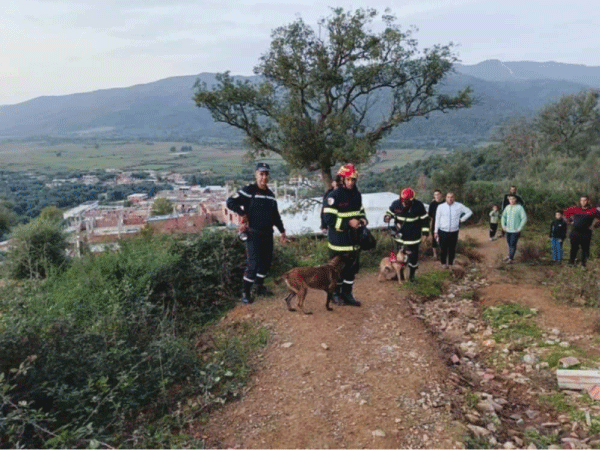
164 109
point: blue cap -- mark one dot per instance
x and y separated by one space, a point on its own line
263 167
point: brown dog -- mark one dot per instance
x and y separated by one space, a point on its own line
393 266
323 277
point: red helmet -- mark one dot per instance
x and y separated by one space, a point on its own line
407 194
348 171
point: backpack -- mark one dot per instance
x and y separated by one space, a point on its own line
366 240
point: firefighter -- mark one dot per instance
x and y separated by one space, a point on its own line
257 207
411 223
344 215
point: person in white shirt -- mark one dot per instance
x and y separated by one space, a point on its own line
448 217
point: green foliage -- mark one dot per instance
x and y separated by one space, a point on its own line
453 177
162 206
577 286
430 285
511 321
571 125
38 248
313 107
92 354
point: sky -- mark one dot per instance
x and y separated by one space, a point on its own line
57 47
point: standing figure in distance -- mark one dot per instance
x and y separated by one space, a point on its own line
494 220
513 220
449 216
257 207
412 223
437 200
584 218
344 215
558 233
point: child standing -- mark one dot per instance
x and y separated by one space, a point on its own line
494 219
558 233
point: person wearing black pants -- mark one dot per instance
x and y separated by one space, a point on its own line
583 217
448 217
448 242
257 207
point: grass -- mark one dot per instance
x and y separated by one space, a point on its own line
429 285
511 321
221 159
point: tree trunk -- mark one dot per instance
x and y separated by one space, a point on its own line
326 177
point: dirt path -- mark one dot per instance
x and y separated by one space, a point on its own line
367 377
526 285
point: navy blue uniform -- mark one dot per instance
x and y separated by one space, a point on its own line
412 222
340 206
260 206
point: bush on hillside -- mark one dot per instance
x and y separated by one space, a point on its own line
85 351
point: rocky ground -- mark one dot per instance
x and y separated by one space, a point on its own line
472 368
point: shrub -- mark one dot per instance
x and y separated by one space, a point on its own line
577 286
38 248
85 352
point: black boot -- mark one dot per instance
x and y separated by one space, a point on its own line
246 290
337 295
261 290
347 296
411 275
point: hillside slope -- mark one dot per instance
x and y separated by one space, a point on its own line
164 110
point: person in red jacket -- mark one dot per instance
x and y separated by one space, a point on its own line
584 218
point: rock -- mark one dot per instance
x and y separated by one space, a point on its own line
287 345
531 446
550 425
478 431
569 361
471 328
517 441
454 359
492 441
555 331
378 433
564 344
472 418
509 445
324 346
531 414
485 406
491 427
529 359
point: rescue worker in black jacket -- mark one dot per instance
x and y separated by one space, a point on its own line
344 215
257 207
411 223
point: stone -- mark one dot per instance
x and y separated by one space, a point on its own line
555 331
564 344
287 345
531 446
567 362
529 359
509 445
324 346
531 414
478 431
378 433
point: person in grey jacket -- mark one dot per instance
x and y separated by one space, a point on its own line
448 218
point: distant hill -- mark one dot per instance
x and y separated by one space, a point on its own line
164 110
495 70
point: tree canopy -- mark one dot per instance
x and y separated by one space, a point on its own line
313 103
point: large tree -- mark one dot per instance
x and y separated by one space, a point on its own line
572 125
326 100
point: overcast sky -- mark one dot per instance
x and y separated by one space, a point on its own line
54 47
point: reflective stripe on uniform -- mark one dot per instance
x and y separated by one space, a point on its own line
248 280
349 248
244 193
349 282
330 210
401 241
260 196
404 219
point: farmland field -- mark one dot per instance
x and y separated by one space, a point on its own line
42 157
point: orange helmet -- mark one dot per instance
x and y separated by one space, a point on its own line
348 171
407 194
